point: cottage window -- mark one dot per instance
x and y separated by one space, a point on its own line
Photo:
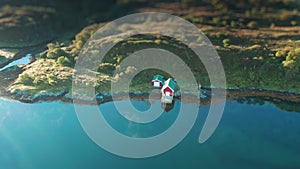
157 84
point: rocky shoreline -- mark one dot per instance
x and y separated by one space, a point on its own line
9 75
232 94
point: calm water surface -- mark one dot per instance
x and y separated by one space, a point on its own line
24 60
48 135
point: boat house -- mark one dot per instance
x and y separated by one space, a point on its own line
168 90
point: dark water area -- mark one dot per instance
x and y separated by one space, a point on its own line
48 135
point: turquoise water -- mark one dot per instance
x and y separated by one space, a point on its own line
48 135
24 60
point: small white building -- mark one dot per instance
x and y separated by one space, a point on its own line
157 81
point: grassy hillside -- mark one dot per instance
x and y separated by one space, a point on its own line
258 41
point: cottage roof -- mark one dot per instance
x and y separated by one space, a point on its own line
171 83
158 77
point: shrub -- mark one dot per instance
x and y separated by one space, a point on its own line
258 58
51 46
157 41
247 13
252 24
294 54
51 79
254 47
293 23
85 34
233 24
55 53
118 58
226 42
200 39
288 63
79 44
43 54
280 53
130 69
74 52
106 68
285 15
64 61
292 60
37 80
220 35
272 25
224 22
216 20
26 79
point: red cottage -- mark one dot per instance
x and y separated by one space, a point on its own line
168 90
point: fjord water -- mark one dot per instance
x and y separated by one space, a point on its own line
48 135
24 60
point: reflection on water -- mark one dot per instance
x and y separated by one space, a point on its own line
167 106
48 135
286 106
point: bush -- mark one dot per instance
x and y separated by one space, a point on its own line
216 20
85 34
64 61
79 44
294 54
75 52
157 41
293 23
285 15
51 79
252 24
280 53
51 46
220 35
125 73
107 68
233 24
43 54
25 79
200 39
292 60
55 53
226 42
37 80
272 25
